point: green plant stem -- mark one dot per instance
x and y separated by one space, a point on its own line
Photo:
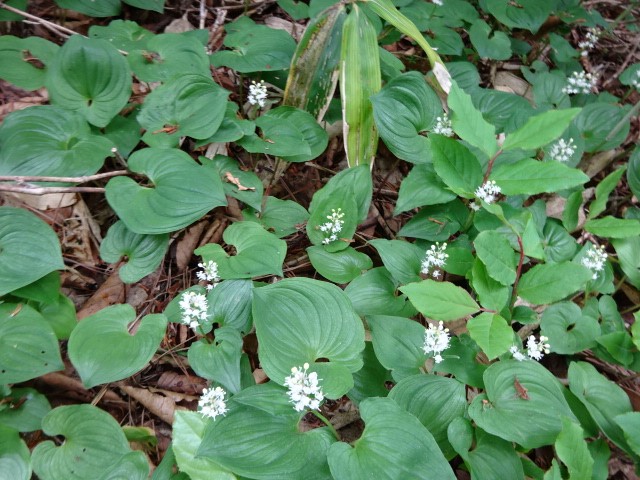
514 295
327 423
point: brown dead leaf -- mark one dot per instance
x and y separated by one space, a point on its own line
111 292
177 382
231 179
188 243
162 407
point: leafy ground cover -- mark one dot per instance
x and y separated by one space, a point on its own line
280 239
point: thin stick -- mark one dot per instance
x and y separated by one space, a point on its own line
44 22
203 14
83 179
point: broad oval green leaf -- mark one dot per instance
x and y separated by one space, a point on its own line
497 255
531 177
436 223
496 46
219 361
532 421
123 34
456 166
103 350
572 450
104 8
527 14
29 249
435 401
182 192
569 329
339 267
230 304
282 217
302 320
50 141
28 345
398 342
374 293
168 55
91 77
258 252
540 129
94 443
402 110
422 187
595 123
611 227
440 300
24 60
548 283
402 259
469 123
415 453
250 189
189 105
142 253
14 455
492 333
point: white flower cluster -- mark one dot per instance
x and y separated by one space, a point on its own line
562 151
443 125
194 308
436 341
589 41
304 390
437 2
209 274
535 350
257 93
595 259
579 82
212 403
434 258
333 227
488 192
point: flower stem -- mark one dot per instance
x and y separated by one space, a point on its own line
327 423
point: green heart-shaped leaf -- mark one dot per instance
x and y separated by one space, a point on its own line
375 293
123 34
496 46
402 259
182 192
339 267
398 342
102 350
219 361
24 410
569 330
91 77
24 60
14 455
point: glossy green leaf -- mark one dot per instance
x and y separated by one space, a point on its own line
436 223
531 177
303 320
630 424
496 45
628 250
123 34
492 333
23 410
371 379
230 304
559 245
469 124
530 422
595 122
182 192
231 129
313 73
603 399
142 253
254 48
219 361
339 267
570 214
422 187
435 401
611 227
282 217
572 450
105 8
402 259
94 442
527 14
258 252
415 453
342 202
188 430
398 342
440 300
50 141
548 283
168 55
253 442
6 15
189 105
374 293
491 293
633 172
540 130
569 329
29 249
456 165
91 77
603 190
14 455
155 5
250 190
24 60
403 109
497 255
102 349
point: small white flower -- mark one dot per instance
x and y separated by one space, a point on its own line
589 41
434 258
636 81
595 259
579 82
562 151
436 341
437 2
212 403
194 308
209 274
333 227
517 354
257 93
443 125
537 350
304 389
488 191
